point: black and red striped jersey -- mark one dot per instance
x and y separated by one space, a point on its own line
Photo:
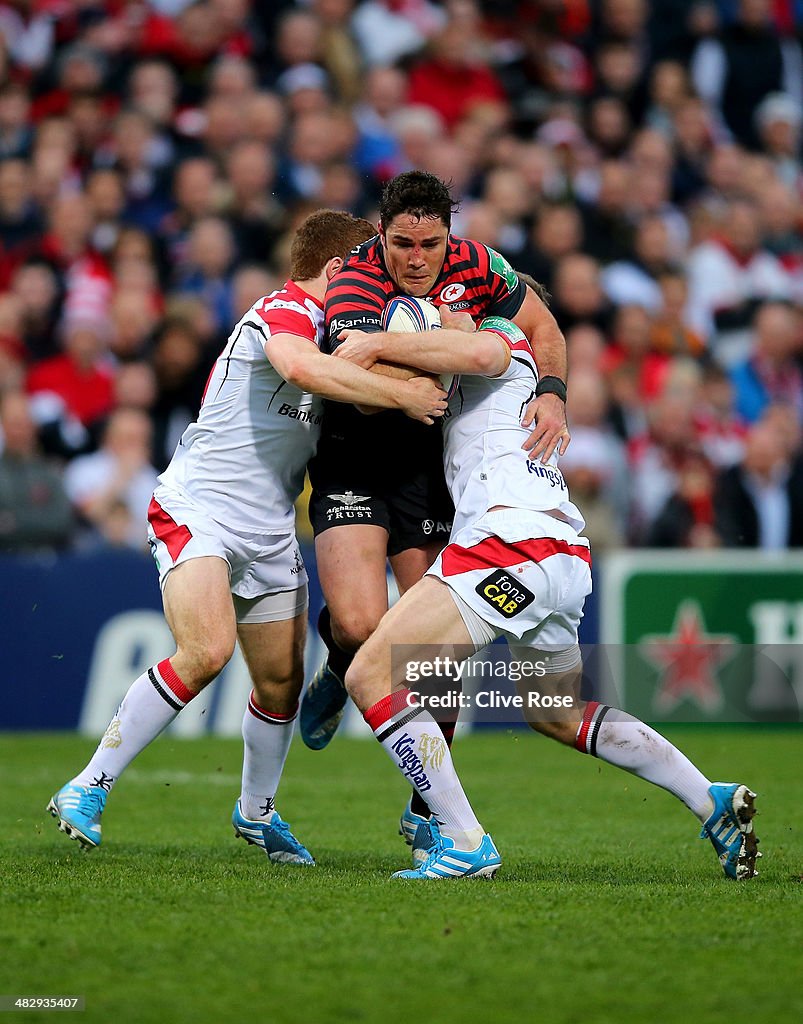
474 279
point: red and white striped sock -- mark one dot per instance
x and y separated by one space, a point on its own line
267 737
618 738
416 745
152 702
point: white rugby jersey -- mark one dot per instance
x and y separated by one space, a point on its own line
482 437
244 458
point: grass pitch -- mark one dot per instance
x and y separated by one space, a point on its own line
607 908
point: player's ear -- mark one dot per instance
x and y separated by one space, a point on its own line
380 230
332 267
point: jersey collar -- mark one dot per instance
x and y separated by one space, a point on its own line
302 296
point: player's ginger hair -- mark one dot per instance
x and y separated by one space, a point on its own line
322 236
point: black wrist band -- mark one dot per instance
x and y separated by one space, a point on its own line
551 386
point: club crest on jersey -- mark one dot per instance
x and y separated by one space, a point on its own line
452 292
504 594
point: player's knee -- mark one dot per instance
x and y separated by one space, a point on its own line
350 631
209 659
358 682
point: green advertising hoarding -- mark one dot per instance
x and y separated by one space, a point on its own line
703 636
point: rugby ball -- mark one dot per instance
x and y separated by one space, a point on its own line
406 313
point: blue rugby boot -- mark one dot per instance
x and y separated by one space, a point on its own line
730 829
415 830
322 708
273 836
444 861
78 809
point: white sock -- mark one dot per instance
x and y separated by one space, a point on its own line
152 702
413 740
618 738
267 739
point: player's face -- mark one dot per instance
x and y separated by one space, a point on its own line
415 249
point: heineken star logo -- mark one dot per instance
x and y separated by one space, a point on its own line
688 660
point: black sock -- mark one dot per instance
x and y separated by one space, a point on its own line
339 660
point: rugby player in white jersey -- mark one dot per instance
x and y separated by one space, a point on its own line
516 567
222 533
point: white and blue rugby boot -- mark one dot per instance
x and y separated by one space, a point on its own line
78 809
730 829
273 836
322 708
416 832
444 861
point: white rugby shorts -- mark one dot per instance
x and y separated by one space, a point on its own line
524 573
266 571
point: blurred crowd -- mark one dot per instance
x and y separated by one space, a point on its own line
642 159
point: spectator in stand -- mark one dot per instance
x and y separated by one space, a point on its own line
37 287
782 217
607 228
578 296
207 270
772 372
728 276
21 221
759 501
693 136
181 372
16 133
735 72
118 474
195 195
383 95
778 123
637 281
721 429
35 512
670 331
658 457
252 211
73 391
557 232
456 77
631 346
388 30
687 518
669 88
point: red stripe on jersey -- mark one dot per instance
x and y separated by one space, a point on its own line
494 553
581 739
173 680
288 321
173 536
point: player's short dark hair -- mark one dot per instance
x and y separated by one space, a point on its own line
322 236
418 193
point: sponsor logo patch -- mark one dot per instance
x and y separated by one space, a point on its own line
350 507
410 763
112 737
504 594
432 750
294 413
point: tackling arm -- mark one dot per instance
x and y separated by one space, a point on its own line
440 351
547 412
302 364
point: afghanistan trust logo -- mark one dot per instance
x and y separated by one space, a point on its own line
688 659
